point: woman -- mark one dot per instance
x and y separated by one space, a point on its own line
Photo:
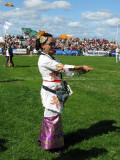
9 56
51 134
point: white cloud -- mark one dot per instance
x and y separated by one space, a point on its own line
50 24
100 29
62 5
97 16
76 25
112 22
43 5
19 13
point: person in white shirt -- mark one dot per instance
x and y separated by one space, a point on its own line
9 56
117 54
51 133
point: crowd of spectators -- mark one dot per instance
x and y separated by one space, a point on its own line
18 41
82 45
86 44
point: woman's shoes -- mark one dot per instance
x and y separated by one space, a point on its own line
38 143
57 151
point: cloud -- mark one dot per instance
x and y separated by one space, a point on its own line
43 5
112 22
55 24
62 5
100 29
19 13
97 16
74 24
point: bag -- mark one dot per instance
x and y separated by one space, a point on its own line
62 95
64 92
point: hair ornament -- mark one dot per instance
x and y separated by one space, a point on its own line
43 39
41 33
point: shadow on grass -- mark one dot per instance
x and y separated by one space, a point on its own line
2 145
14 80
21 66
102 127
78 154
27 159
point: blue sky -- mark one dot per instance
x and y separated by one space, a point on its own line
81 18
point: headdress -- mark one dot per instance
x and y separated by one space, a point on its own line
43 39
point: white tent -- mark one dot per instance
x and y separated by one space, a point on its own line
70 36
2 40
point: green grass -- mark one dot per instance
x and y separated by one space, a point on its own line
91 117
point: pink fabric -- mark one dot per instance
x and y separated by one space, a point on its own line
51 133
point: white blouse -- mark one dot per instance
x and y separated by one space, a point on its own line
7 52
51 70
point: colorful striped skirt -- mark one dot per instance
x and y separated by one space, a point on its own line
51 133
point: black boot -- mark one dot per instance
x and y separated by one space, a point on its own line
57 151
38 143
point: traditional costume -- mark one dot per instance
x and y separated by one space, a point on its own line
51 133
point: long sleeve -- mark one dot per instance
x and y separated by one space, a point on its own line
53 65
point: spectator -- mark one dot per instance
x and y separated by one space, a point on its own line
9 56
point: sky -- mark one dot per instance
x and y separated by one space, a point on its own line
81 18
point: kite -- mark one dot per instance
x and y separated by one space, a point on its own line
66 36
9 5
30 32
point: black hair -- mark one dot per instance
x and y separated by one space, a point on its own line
38 44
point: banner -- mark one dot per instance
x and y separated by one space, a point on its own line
19 51
96 53
67 52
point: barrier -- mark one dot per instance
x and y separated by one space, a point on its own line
19 51
67 52
96 53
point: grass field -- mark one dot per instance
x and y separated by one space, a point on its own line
91 118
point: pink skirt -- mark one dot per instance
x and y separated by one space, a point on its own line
51 133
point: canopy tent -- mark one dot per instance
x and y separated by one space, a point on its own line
2 40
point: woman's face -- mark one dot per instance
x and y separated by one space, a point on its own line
49 46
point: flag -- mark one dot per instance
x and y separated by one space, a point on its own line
6 26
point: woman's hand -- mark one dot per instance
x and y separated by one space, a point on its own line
87 68
81 68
